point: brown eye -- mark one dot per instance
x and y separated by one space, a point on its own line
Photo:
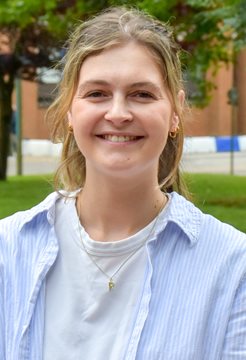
96 94
144 94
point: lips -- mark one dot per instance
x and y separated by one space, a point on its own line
119 138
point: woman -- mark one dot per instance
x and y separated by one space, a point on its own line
117 266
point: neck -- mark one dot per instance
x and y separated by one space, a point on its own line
111 212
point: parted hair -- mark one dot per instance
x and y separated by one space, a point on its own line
113 27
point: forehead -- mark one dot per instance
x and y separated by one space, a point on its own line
126 60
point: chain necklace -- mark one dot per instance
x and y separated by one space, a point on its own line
111 282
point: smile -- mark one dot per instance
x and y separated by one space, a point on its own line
120 138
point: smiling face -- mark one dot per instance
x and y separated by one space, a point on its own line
121 113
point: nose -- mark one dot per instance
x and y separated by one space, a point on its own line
118 111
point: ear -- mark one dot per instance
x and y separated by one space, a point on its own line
175 118
174 122
181 98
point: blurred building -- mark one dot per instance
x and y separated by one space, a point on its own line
214 120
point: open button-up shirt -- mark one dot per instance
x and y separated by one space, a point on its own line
193 304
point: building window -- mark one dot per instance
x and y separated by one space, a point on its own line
46 94
47 86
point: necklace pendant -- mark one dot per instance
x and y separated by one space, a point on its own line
110 284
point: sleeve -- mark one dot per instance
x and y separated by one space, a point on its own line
2 310
235 339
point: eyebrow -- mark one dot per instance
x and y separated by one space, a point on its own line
148 84
87 83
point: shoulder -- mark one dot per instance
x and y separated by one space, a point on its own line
29 223
208 243
37 216
199 226
19 219
29 234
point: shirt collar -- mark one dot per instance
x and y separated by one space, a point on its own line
47 205
180 212
185 215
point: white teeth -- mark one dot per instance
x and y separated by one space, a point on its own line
116 138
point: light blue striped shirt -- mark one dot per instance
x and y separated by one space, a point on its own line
193 302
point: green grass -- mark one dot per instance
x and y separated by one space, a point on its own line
223 196
22 192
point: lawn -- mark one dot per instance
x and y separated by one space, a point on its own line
22 192
223 196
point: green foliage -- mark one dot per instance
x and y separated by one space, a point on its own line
210 31
163 10
214 35
23 12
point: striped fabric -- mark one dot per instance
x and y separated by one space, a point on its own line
192 305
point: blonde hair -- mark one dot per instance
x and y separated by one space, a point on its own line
111 28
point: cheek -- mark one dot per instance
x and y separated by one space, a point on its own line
162 140
81 133
80 120
160 128
160 123
84 116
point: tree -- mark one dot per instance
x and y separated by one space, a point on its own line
32 34
211 32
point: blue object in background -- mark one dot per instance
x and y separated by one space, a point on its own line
227 143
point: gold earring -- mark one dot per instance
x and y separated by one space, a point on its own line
70 129
174 133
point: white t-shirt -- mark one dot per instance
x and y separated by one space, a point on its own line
83 319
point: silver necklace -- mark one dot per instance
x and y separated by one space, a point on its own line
111 282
